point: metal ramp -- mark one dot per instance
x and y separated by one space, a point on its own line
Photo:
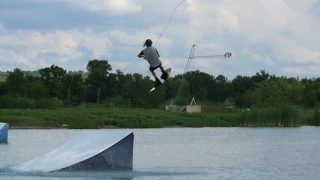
91 150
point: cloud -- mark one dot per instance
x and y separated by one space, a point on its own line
60 14
138 38
272 32
35 48
112 7
308 70
8 56
120 65
275 35
265 59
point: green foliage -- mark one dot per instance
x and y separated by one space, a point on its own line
173 84
316 121
182 101
99 85
8 102
52 103
260 76
52 78
3 76
84 118
3 88
271 92
98 81
281 115
199 82
252 98
73 89
15 81
17 102
311 94
94 116
104 95
34 90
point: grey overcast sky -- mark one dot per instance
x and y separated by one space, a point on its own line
279 36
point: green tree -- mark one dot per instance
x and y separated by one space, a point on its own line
241 84
252 98
3 88
52 78
34 90
15 81
281 90
199 84
316 88
222 89
98 80
172 87
260 76
73 89
309 97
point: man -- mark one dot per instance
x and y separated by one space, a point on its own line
151 54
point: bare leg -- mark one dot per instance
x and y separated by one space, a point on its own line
154 74
158 82
161 67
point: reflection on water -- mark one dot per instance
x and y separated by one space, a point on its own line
185 153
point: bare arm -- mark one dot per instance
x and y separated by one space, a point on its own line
140 55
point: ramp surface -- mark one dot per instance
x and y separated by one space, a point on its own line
89 150
4 127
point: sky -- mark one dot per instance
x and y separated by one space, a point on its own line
278 36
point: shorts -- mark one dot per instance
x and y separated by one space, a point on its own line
154 68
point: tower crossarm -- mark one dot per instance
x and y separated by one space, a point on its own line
226 55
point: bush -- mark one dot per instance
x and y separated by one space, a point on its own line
281 115
182 101
52 103
8 102
317 116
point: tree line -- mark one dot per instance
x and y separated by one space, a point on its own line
54 85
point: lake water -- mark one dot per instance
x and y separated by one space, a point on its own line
185 153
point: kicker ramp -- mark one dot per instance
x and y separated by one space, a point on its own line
4 127
90 150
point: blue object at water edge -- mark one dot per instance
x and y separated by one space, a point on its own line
4 127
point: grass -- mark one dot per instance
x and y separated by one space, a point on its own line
271 117
93 118
123 118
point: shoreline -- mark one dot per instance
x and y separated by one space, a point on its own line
173 127
106 127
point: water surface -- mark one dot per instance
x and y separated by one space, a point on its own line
185 153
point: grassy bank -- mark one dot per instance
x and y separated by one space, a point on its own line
122 118
92 118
